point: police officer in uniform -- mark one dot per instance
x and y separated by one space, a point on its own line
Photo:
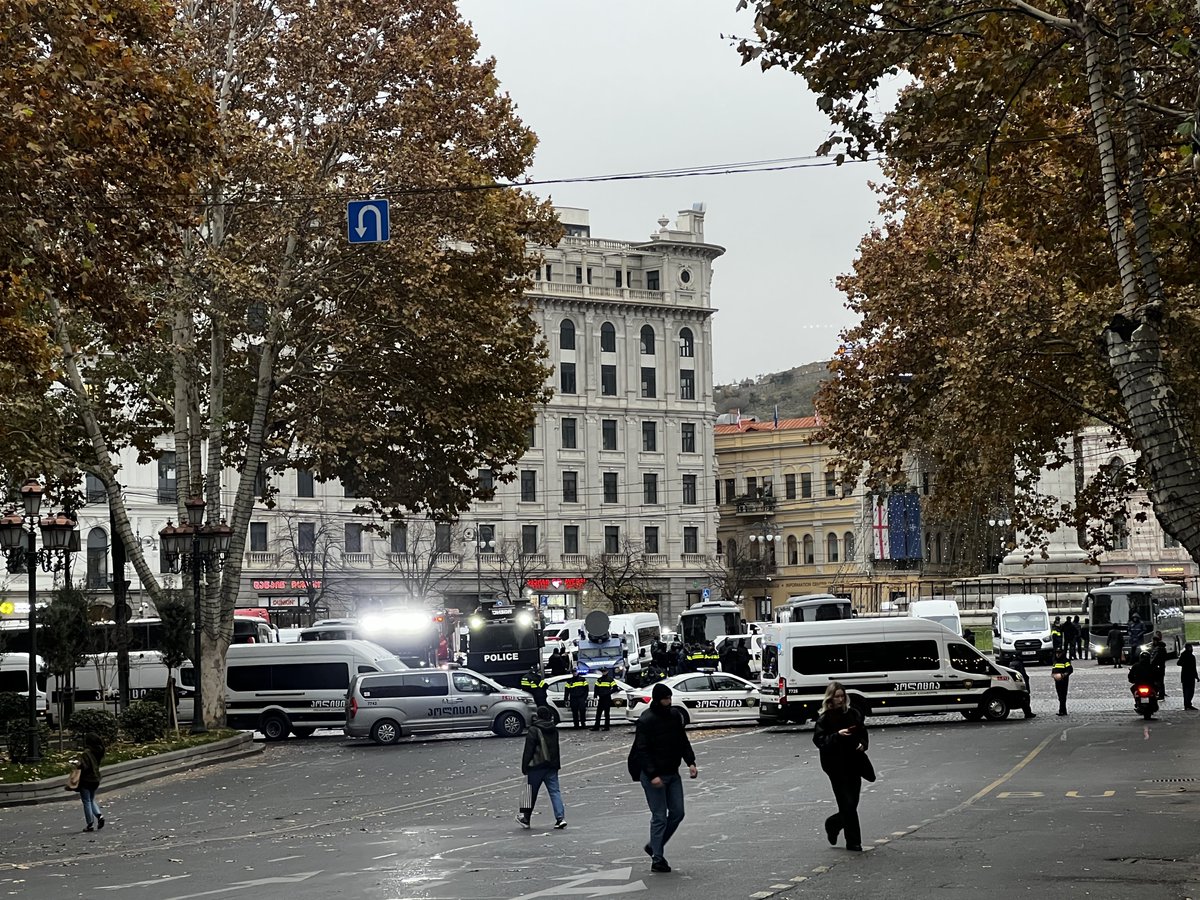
1056 635
605 685
1017 664
536 685
576 692
1061 673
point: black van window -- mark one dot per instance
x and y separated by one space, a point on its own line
820 659
912 655
428 684
770 661
966 659
289 677
871 656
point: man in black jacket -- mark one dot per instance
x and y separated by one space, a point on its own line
659 745
1116 645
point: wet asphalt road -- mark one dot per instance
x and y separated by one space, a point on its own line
1097 804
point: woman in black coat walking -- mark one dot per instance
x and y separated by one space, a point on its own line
841 736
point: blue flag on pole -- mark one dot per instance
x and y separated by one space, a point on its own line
777 415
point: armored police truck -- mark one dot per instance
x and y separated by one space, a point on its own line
503 641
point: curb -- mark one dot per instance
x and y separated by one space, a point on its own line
135 771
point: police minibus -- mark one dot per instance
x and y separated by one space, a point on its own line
888 667
282 689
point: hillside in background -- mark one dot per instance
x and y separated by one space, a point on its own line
793 390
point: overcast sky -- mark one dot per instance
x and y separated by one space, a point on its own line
628 85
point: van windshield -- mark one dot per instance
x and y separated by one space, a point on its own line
948 621
1025 622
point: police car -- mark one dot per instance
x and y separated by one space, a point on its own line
705 697
556 697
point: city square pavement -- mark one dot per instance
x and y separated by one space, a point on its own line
1098 804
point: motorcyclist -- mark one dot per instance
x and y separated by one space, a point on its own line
1142 671
1158 658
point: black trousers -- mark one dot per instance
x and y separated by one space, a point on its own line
1061 688
579 713
1189 691
603 708
846 789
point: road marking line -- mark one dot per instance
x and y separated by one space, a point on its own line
800 878
761 895
286 858
1007 776
780 887
385 856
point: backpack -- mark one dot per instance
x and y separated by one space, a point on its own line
541 753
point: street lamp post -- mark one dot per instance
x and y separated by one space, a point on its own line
18 539
765 538
482 546
200 547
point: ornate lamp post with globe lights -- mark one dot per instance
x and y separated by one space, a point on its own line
18 540
200 547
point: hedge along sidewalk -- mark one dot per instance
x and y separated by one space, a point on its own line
135 771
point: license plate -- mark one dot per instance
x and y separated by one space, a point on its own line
1028 652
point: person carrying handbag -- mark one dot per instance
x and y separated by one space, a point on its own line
841 737
540 764
89 780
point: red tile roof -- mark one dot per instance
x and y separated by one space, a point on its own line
749 425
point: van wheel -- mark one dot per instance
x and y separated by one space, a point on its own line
303 732
995 706
274 727
509 724
385 731
972 715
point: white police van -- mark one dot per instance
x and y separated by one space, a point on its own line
282 689
888 666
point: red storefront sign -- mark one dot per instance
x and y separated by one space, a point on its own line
556 584
285 584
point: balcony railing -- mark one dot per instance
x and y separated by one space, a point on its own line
749 504
266 559
447 559
356 559
574 560
533 559
656 559
615 559
696 559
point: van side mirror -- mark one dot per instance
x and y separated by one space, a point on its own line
995 632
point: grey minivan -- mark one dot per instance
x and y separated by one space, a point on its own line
388 706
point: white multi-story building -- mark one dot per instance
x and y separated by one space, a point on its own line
621 462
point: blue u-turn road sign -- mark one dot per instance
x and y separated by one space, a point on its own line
367 221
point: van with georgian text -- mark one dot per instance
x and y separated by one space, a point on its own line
389 706
900 666
282 689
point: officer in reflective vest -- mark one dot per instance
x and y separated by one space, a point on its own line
536 685
576 692
696 659
605 686
1061 673
712 659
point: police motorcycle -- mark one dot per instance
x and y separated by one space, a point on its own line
1141 685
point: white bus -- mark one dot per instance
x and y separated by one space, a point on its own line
1158 603
708 620
813 608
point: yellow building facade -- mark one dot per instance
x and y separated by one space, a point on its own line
787 525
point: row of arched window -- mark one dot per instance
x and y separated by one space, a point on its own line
802 552
608 339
